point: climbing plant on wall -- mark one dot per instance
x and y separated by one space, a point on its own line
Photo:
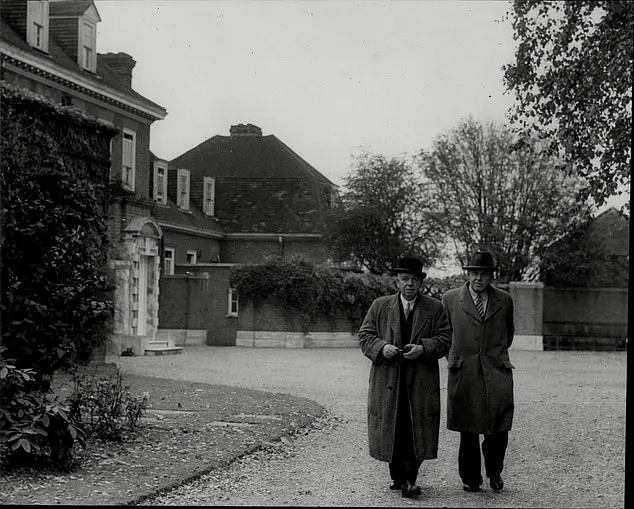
56 289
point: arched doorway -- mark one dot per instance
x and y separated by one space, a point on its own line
136 268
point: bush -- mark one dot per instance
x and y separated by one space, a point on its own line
104 405
34 426
307 291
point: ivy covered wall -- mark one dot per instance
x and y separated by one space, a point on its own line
56 289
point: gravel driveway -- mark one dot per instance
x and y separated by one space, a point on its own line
566 448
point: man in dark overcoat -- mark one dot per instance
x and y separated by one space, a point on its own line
480 377
404 335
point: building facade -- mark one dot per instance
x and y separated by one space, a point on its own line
50 48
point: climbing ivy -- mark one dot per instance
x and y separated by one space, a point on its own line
307 291
56 289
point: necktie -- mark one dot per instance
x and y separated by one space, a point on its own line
479 305
408 308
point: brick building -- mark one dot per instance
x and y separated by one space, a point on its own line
50 48
231 199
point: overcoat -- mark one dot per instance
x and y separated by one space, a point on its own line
430 328
480 377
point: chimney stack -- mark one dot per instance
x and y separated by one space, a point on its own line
245 130
122 64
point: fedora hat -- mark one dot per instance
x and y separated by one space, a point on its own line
481 260
411 265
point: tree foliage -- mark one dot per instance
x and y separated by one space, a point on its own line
573 83
382 217
56 288
490 191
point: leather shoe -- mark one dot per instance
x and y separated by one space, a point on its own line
471 487
410 490
396 485
497 484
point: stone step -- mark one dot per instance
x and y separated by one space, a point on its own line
163 350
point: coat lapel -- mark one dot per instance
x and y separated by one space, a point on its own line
494 304
394 318
466 303
421 317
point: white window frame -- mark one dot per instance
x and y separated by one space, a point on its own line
37 24
128 139
160 188
194 257
168 266
209 196
233 304
182 189
87 45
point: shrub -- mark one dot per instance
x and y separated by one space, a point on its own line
307 291
104 405
34 425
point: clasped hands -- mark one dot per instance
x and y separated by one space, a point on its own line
411 352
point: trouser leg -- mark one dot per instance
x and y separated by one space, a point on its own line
404 464
493 450
469 458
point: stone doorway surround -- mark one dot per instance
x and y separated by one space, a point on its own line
136 271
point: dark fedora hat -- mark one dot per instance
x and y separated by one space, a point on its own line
410 264
481 260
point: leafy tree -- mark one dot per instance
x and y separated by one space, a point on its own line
382 217
490 191
573 82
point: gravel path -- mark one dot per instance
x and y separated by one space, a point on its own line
566 448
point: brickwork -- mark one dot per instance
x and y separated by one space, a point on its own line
206 248
254 251
198 301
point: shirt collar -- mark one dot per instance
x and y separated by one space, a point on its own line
484 295
404 301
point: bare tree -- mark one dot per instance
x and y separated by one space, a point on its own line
491 191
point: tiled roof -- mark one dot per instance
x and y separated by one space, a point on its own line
262 185
265 205
69 7
105 75
247 156
611 230
195 219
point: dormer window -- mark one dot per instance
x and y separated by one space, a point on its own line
37 24
209 195
182 189
88 43
160 182
128 159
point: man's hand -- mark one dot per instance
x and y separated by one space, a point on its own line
413 351
389 351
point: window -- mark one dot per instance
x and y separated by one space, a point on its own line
168 261
37 24
128 156
232 302
209 195
191 257
182 189
88 58
160 182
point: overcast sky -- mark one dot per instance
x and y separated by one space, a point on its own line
325 77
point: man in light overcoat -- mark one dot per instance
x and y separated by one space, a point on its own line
404 335
480 377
